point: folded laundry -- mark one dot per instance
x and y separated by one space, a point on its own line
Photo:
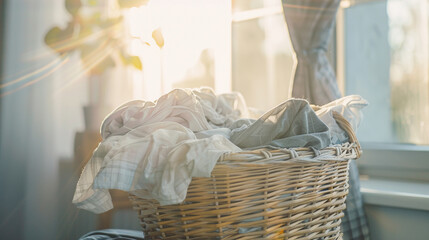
153 149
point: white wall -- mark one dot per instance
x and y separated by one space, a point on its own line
390 223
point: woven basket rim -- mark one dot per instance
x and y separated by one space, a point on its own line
344 152
347 151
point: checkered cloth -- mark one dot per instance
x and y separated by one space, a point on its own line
354 225
310 24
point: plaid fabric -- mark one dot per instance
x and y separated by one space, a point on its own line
354 224
310 24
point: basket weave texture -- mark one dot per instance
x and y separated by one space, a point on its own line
262 194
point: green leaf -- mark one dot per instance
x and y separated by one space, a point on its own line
123 57
92 3
131 60
68 31
110 22
135 61
85 30
132 3
92 20
52 36
73 6
157 36
58 38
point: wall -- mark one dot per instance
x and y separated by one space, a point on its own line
390 223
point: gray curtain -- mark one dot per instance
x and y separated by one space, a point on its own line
310 24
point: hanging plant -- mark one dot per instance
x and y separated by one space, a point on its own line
91 32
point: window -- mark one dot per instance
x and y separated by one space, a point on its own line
197 44
262 55
235 46
386 60
383 56
384 45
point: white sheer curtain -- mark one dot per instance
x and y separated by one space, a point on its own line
42 99
31 121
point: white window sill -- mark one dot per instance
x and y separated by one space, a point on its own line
395 161
393 193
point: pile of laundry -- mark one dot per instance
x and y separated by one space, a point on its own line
153 149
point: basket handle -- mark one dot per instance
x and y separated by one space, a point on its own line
347 127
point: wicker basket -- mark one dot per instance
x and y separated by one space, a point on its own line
263 194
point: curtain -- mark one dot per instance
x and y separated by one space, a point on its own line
310 24
41 109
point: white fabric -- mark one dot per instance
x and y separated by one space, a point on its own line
223 109
153 149
179 106
350 107
150 148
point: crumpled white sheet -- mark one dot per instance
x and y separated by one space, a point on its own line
153 149
150 148
350 107
221 110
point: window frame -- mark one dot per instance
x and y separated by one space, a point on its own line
392 174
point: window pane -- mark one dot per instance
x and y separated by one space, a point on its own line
197 45
386 61
262 60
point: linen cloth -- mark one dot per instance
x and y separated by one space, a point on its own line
154 149
350 107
